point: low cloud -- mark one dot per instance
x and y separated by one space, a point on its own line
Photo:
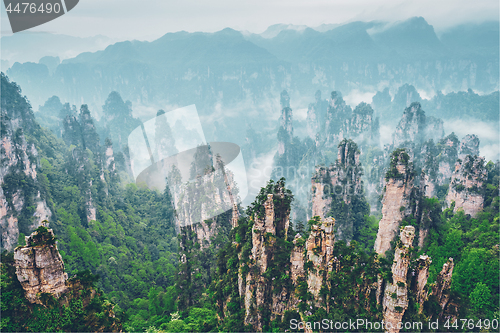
258 174
386 134
426 94
300 114
487 132
355 97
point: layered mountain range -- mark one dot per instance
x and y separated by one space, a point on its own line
228 66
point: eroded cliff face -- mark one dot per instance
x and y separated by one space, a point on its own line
374 177
397 202
428 177
308 264
411 127
19 161
431 154
360 125
164 145
467 182
395 301
329 122
39 266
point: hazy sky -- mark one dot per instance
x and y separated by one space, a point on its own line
141 19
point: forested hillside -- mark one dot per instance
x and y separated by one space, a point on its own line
120 232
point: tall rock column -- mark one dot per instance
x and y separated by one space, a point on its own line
297 258
415 127
430 169
338 190
264 226
285 133
287 155
469 146
443 282
316 116
320 192
467 182
39 266
313 121
109 156
258 290
200 202
447 158
397 202
438 161
395 300
362 125
319 247
336 114
423 263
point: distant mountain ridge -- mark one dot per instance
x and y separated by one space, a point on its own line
182 49
30 47
228 67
